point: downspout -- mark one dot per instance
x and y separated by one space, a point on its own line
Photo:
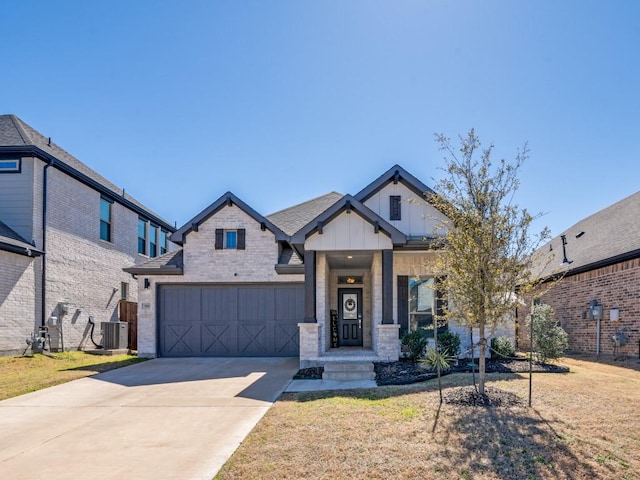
43 320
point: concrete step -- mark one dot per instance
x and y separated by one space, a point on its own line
348 371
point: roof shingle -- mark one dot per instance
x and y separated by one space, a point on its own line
11 240
606 235
292 219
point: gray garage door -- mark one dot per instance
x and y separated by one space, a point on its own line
229 321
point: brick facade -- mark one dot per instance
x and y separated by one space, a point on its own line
19 301
82 271
614 286
204 264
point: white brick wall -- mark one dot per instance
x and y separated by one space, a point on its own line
19 305
82 270
421 264
203 263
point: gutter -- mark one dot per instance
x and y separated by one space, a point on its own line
26 251
43 281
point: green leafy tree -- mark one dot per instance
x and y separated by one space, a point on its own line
550 340
487 252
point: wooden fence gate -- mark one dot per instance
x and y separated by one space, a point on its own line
129 313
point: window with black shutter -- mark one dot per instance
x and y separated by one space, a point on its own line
219 238
394 207
241 238
403 304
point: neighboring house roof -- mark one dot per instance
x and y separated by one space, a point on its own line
11 241
609 236
292 219
226 199
19 138
170 263
349 203
394 174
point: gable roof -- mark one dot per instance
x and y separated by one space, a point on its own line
394 174
19 138
292 219
349 203
11 241
170 263
226 199
609 236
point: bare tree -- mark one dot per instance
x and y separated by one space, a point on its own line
488 252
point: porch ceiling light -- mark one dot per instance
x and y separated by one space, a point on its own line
349 257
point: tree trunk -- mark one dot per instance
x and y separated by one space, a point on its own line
481 361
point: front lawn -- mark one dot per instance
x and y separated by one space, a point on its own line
19 375
583 424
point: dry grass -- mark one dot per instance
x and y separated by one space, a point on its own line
19 375
584 424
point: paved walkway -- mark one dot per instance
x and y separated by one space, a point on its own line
161 419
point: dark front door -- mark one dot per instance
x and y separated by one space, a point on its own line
350 317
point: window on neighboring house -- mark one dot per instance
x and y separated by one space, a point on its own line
105 219
394 208
10 166
423 298
153 241
124 291
230 239
142 236
163 242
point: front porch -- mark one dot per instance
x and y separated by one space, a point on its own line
388 348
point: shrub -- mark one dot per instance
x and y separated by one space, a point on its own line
416 343
435 360
501 348
549 338
449 342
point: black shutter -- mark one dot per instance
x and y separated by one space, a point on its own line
241 237
394 207
219 238
403 304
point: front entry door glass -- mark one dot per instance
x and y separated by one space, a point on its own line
350 317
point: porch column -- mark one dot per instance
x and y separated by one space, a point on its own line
310 286
387 286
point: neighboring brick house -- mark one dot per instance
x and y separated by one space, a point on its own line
65 235
335 276
600 256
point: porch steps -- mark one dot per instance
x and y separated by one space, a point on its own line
348 370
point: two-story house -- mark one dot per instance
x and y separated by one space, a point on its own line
339 275
66 233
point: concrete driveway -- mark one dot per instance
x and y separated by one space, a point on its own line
161 419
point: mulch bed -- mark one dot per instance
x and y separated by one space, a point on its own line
405 372
492 397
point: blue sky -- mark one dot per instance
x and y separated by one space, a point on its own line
282 101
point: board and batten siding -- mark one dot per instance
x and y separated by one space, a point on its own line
348 231
417 216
